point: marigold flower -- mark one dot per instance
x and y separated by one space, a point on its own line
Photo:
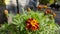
6 12
48 11
28 9
33 27
28 26
39 7
32 24
45 6
54 14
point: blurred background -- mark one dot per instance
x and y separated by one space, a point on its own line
15 6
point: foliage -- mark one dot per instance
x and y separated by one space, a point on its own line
51 1
18 25
2 2
46 1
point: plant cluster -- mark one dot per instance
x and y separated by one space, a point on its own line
31 23
2 2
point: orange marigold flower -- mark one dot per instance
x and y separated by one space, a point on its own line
6 12
48 11
54 14
32 24
33 27
28 26
39 7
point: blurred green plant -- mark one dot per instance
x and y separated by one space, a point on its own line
47 25
2 2
44 1
47 1
51 1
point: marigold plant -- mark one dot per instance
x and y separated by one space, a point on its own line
31 23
